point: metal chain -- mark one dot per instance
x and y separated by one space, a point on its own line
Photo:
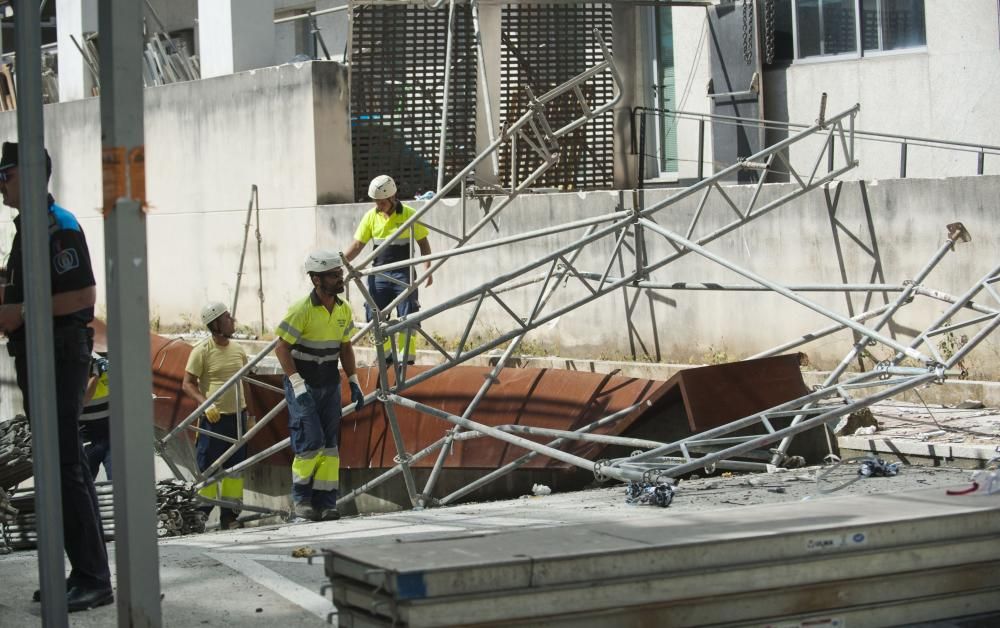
748 31
768 31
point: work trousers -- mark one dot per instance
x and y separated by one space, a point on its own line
314 430
82 534
208 450
97 447
386 287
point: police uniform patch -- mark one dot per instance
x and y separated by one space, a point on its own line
65 261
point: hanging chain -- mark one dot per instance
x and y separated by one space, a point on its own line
748 31
768 31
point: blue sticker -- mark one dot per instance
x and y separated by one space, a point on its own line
65 261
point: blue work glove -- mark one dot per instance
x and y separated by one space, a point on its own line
102 365
356 394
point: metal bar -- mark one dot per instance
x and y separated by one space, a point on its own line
237 376
826 331
684 285
902 160
515 464
138 596
980 162
35 261
889 342
243 249
310 14
243 440
446 96
524 443
701 149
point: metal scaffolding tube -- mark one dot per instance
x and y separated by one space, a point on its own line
524 443
521 461
38 301
243 440
197 412
861 329
446 96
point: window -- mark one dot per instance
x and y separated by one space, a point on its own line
838 27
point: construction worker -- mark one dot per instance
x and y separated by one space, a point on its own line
95 429
376 226
73 297
312 338
211 364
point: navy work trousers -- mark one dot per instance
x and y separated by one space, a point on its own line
82 534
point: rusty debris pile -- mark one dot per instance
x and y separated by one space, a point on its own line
15 452
177 509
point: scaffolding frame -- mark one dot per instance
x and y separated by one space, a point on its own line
609 240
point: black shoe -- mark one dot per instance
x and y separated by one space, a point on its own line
37 595
329 514
79 599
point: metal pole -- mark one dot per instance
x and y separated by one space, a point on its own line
980 162
642 152
447 94
38 308
902 160
120 25
243 250
701 149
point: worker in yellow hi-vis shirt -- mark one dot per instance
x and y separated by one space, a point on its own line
376 226
211 364
314 338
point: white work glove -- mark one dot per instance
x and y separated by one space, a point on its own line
298 385
213 414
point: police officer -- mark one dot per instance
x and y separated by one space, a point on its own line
313 338
211 364
73 298
376 226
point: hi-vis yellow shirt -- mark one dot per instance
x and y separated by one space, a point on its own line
315 335
375 227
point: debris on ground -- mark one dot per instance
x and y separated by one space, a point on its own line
862 419
540 489
15 452
303 552
654 494
178 510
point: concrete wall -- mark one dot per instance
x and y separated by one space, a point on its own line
794 244
284 129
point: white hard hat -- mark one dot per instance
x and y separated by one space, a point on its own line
321 261
381 187
213 311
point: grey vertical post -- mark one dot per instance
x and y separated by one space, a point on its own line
981 162
902 160
128 313
38 306
701 149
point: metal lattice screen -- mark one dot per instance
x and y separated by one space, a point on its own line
544 46
397 85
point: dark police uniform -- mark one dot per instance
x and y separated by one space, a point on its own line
70 270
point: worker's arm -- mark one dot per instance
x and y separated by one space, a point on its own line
190 386
63 303
283 351
347 359
425 249
353 250
91 387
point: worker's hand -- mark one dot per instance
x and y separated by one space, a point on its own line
10 318
298 385
430 280
102 365
213 414
356 395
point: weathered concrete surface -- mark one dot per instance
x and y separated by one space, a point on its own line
248 577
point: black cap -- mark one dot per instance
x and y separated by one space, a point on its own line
9 157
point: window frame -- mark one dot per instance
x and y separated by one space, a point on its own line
859 52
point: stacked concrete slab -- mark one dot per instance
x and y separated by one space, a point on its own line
868 560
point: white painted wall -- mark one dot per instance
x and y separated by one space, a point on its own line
947 91
76 17
207 143
235 35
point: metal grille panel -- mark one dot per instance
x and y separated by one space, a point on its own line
544 46
397 84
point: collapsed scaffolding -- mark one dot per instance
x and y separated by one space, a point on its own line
619 240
